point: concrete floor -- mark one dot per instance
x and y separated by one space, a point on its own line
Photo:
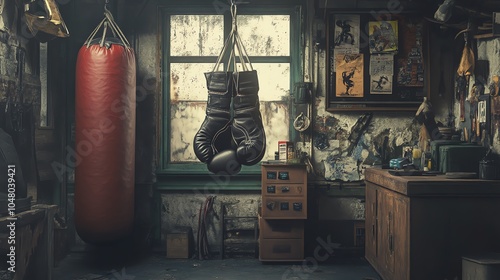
154 266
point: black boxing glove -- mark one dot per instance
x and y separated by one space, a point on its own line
224 163
247 128
214 134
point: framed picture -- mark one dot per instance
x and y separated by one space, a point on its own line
376 64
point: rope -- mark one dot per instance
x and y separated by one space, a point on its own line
108 21
234 45
202 237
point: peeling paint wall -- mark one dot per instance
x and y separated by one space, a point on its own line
22 87
382 140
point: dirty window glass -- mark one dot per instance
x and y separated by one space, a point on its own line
196 39
196 35
274 80
187 81
265 35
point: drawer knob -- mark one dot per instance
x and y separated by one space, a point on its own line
270 205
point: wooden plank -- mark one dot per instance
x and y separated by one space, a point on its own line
44 255
371 222
27 239
401 237
432 185
24 218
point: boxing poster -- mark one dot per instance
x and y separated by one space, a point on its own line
346 35
383 36
381 73
349 75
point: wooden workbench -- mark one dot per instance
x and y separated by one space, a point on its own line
419 227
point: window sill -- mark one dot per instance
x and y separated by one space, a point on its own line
196 177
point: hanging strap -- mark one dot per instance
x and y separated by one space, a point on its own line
108 22
234 45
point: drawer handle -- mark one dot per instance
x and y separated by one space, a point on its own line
391 243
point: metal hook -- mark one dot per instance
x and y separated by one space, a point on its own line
106 4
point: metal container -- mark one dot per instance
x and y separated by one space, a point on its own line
488 169
481 267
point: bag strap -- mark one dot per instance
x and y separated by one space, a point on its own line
108 22
234 45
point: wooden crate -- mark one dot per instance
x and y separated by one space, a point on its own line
179 244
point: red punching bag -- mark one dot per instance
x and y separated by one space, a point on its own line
105 136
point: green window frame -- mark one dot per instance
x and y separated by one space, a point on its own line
194 174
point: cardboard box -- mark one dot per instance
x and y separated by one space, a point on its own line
286 150
179 244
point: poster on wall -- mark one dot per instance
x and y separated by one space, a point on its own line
346 35
381 84
410 65
383 36
381 73
349 75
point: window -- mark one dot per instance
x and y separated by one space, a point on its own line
192 41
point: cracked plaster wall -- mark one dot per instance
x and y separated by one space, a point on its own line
382 140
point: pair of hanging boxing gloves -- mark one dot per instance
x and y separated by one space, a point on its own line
226 141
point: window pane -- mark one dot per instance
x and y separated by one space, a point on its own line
275 119
196 35
187 81
274 80
265 35
186 119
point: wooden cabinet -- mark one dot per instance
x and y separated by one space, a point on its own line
386 238
284 208
419 227
284 191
